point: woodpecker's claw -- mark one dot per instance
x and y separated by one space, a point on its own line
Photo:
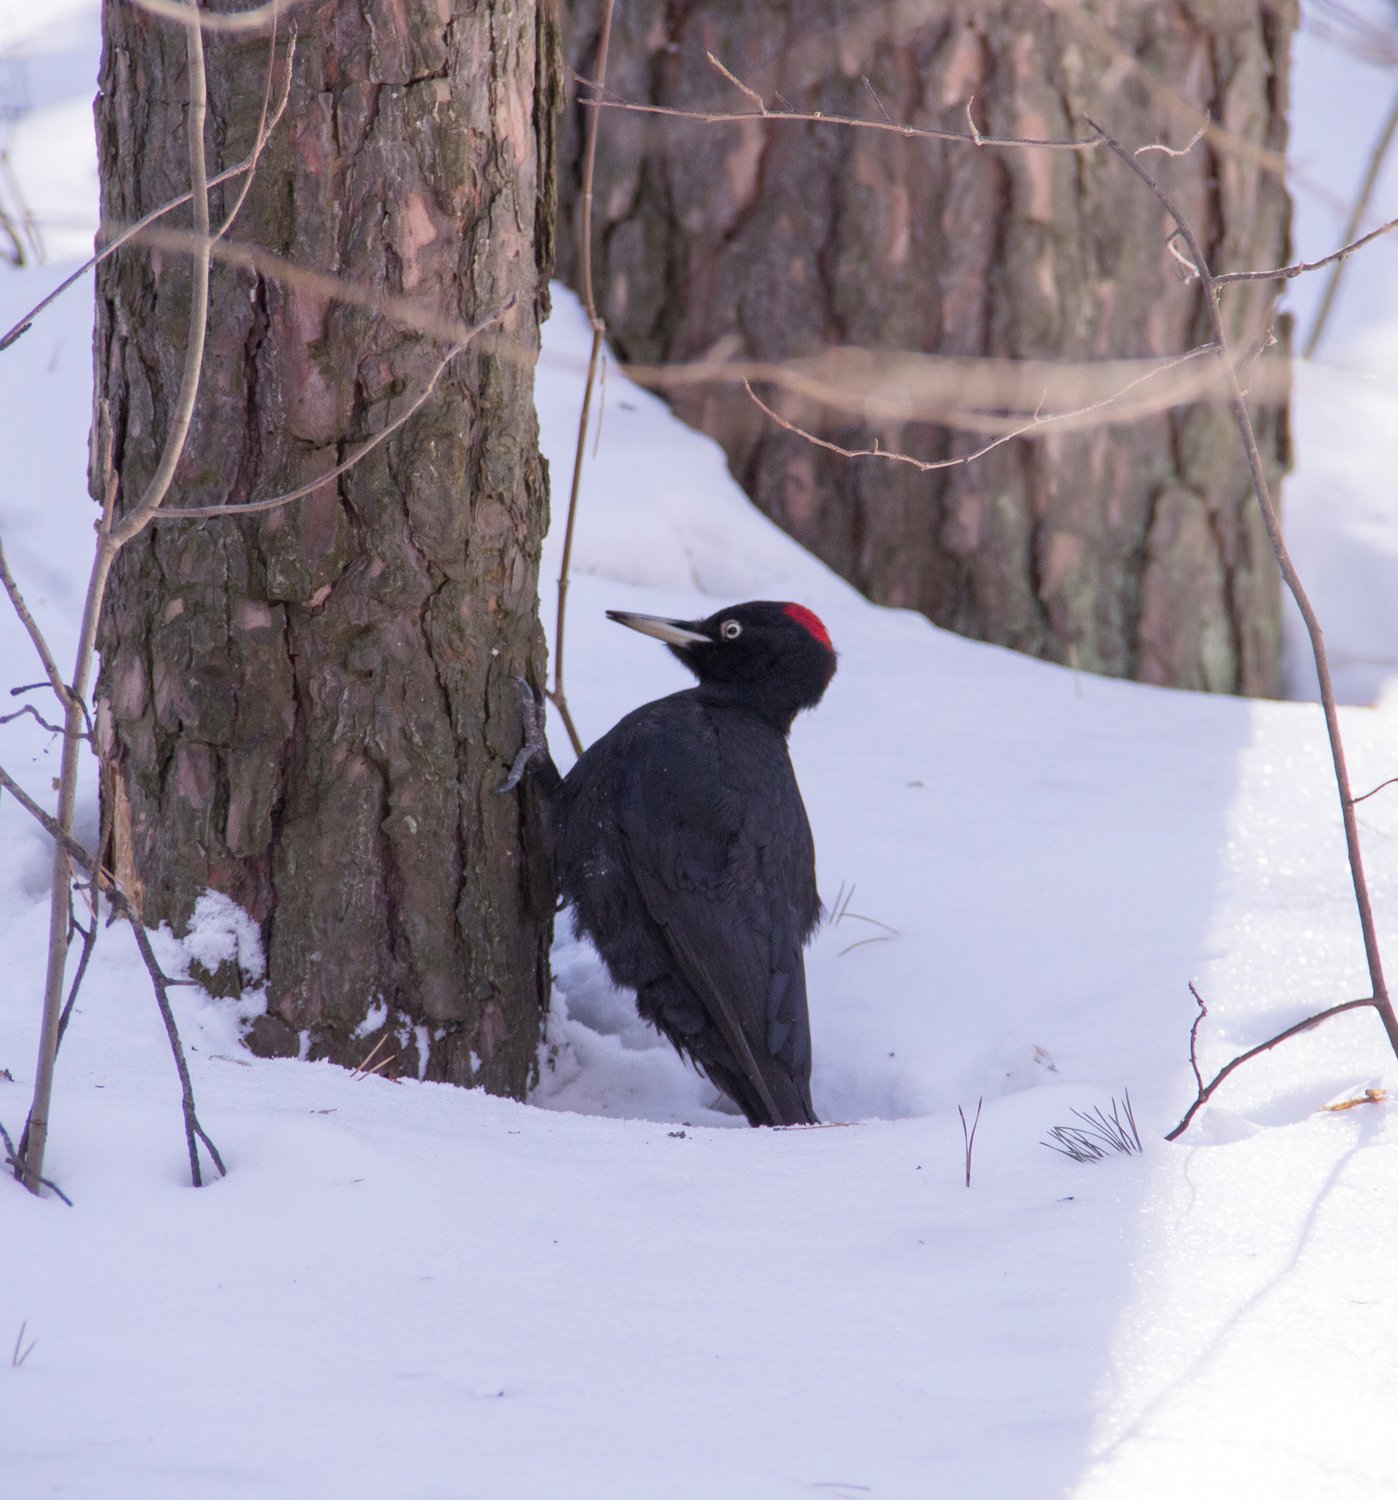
531 711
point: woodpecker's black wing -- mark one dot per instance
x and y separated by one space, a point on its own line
715 838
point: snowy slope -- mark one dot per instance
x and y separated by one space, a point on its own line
615 1290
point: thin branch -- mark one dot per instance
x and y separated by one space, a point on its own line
135 521
817 117
32 712
1176 150
161 983
89 936
864 942
266 124
1364 797
18 1358
363 1070
968 1136
1286 273
1194 1036
370 1056
275 502
873 93
1380 999
1356 216
1206 1091
558 694
15 1164
751 93
193 1130
978 139
125 236
46 656
972 394
77 852
1036 422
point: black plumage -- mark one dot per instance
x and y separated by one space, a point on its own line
681 844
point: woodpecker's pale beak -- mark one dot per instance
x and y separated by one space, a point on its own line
672 632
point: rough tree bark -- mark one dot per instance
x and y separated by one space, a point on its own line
1133 550
308 709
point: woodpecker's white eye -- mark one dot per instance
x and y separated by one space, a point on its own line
730 630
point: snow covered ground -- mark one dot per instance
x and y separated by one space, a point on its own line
409 1290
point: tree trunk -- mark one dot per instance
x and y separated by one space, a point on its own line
1135 549
308 709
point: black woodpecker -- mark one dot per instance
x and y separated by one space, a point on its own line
680 841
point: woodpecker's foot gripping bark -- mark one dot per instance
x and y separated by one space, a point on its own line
535 746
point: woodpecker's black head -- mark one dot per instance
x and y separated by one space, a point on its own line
775 658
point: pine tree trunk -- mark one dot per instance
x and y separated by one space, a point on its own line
309 709
1134 550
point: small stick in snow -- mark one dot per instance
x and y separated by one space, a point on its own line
968 1136
22 1353
1207 1091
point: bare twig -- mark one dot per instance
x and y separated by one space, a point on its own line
247 165
33 713
557 694
41 646
266 123
1300 268
12 1161
275 502
978 395
1070 419
855 916
89 937
1377 156
18 1357
77 852
841 903
363 1069
873 93
968 1136
193 1130
885 937
1364 796
103 879
1369 1096
743 88
363 1066
1176 150
816 117
977 138
1206 1091
1194 1036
